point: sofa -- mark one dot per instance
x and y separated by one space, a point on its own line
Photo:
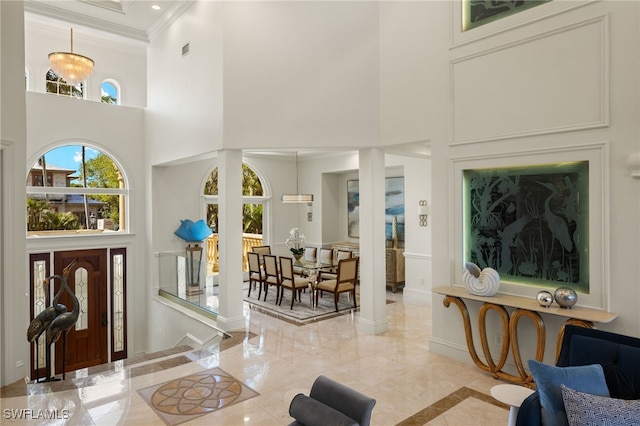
619 357
331 403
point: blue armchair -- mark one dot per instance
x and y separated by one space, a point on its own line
617 354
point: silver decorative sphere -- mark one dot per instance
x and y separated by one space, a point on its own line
544 298
565 297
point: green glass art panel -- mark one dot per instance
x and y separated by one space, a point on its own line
531 223
480 12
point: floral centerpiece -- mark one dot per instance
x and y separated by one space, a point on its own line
295 242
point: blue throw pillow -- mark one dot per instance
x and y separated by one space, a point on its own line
586 378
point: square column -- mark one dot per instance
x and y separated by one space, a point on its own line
230 240
373 298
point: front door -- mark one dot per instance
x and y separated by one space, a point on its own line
86 343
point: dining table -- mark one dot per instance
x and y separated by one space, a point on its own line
312 268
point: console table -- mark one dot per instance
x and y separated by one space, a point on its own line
524 307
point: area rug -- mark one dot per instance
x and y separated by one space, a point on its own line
302 313
190 397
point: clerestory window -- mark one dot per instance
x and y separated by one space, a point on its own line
59 86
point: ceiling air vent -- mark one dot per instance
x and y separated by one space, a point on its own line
185 49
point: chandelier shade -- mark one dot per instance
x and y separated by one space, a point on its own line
73 68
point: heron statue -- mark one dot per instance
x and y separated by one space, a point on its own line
43 321
62 323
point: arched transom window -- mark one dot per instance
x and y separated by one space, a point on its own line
75 187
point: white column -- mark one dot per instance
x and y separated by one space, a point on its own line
230 315
373 299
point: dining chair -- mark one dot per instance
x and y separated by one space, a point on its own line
256 274
326 255
261 250
271 275
289 280
345 281
310 254
331 273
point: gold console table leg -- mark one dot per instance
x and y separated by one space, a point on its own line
510 339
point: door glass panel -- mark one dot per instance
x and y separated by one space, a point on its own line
118 303
82 293
39 302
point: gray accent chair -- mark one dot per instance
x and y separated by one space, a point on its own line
331 403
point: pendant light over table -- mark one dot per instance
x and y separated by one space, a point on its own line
297 197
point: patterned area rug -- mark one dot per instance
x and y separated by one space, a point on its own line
302 312
189 397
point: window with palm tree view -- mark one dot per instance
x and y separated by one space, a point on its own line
75 187
252 212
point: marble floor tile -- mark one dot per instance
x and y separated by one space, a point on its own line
275 360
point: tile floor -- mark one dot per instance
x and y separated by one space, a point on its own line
274 360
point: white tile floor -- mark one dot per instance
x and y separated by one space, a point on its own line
280 360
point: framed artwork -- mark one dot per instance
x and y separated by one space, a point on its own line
394 207
480 12
529 223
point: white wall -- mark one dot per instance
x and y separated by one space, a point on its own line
14 348
544 85
301 74
118 132
184 114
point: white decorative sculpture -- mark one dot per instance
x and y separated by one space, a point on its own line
485 282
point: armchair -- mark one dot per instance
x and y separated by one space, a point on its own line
617 354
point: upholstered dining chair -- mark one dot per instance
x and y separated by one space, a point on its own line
256 274
345 281
261 250
289 280
330 274
310 254
271 275
325 255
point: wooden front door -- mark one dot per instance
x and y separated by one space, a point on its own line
86 342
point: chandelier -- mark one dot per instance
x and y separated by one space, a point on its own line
73 68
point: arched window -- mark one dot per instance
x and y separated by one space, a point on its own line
253 194
75 187
253 213
59 86
110 92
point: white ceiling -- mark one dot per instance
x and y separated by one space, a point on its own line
134 19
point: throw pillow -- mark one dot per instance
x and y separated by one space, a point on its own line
585 409
548 378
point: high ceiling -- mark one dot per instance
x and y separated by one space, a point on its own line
139 21
135 19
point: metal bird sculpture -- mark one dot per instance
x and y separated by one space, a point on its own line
44 318
61 324
42 321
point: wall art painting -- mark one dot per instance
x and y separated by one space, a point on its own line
530 223
394 207
480 12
